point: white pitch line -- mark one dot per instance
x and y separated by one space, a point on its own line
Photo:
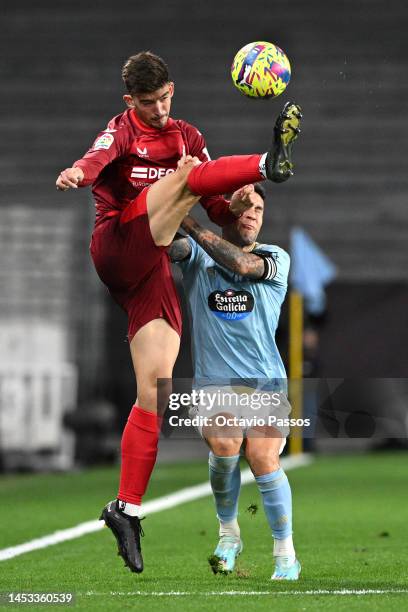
156 505
250 593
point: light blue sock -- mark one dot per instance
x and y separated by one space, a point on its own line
225 479
277 501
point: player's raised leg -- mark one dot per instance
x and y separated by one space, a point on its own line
262 454
171 198
154 351
227 174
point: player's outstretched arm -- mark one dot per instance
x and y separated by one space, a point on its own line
69 179
180 248
223 252
108 146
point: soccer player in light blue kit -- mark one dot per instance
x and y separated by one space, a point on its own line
235 288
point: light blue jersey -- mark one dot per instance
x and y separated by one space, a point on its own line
234 318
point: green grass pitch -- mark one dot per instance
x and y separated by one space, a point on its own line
350 529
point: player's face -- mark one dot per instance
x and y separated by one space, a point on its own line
152 108
249 224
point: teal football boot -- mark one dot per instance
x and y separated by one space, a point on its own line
225 555
285 570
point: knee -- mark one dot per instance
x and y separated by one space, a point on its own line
186 176
183 171
261 461
156 376
225 447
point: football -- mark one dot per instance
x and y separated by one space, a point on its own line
261 70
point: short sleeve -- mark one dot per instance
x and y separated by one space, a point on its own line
108 145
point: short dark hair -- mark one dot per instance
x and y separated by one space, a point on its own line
145 73
260 190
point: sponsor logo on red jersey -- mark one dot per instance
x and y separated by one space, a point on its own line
150 173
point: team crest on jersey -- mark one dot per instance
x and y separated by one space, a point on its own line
230 304
103 142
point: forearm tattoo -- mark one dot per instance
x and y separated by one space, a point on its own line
227 254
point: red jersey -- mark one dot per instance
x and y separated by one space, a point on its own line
130 155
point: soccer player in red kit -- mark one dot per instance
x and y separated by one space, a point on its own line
147 171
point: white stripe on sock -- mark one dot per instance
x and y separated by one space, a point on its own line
262 165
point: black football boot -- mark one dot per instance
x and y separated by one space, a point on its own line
279 166
127 531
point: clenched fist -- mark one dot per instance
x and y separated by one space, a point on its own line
69 178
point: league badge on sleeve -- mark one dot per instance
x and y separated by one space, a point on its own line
103 142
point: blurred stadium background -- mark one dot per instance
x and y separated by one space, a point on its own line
66 382
62 340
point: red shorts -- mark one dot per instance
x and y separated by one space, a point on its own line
135 270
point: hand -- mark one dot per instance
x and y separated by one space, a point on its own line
188 159
242 199
69 178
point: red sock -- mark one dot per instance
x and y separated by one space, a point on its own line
224 175
139 452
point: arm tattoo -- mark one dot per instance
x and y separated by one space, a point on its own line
179 249
228 255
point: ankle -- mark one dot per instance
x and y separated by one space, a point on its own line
229 528
284 548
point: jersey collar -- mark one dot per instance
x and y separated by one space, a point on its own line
254 246
148 128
